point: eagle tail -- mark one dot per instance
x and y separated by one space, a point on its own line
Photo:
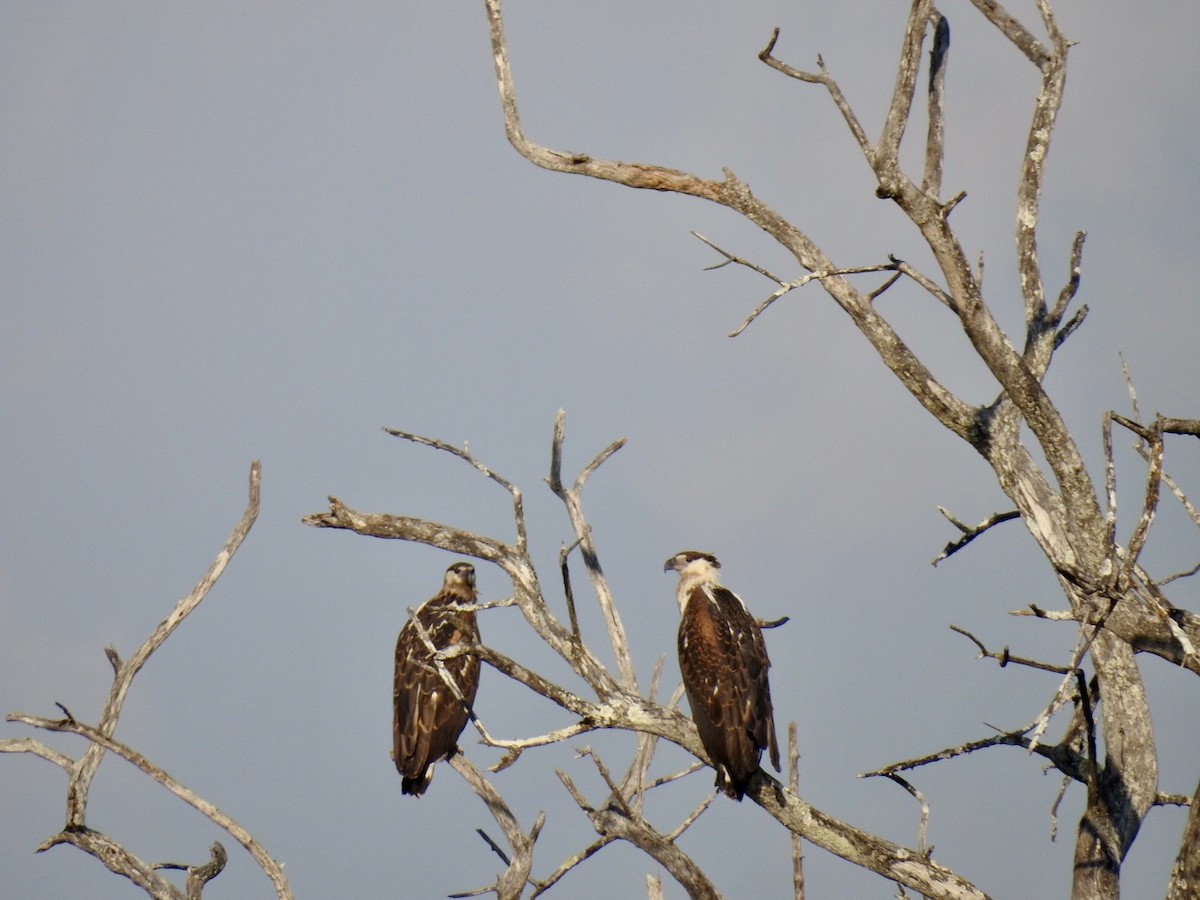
416 786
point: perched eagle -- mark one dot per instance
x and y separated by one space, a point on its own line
429 717
723 660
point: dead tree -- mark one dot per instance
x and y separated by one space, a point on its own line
1120 609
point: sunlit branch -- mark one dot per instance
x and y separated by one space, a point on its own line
572 500
511 883
81 779
465 454
272 869
970 532
767 55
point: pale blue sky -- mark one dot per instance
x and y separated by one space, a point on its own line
266 230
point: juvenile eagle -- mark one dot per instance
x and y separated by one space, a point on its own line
723 660
429 717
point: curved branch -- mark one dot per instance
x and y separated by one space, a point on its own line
960 417
767 55
81 779
632 175
511 884
465 454
272 869
407 528
117 860
892 861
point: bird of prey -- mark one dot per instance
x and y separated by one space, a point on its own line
723 660
429 714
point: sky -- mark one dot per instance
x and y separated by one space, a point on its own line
267 230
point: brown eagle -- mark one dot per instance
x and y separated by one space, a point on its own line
723 660
429 717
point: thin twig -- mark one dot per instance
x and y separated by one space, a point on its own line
465 454
970 532
767 55
1004 657
923 827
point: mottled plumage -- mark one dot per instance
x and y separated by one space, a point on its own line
428 716
724 663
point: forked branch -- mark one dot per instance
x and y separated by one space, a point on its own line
114 856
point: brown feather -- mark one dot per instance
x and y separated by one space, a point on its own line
428 717
723 660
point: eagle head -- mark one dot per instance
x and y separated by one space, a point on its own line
461 575
693 560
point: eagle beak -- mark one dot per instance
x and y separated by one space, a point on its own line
669 564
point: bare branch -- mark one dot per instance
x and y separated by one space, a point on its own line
617 820
970 532
1038 324
924 281
406 528
1125 789
935 139
516 671
568 592
117 860
85 769
511 884
767 55
1067 294
1186 573
1137 540
794 787
571 498
29 745
571 861
893 862
923 826
1087 637
1014 31
199 876
887 151
1185 874
787 287
629 174
1004 657
465 455
1052 615
1062 757
272 869
731 258
1179 426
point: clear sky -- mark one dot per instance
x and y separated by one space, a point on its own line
265 230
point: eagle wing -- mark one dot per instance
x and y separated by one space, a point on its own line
428 716
723 660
